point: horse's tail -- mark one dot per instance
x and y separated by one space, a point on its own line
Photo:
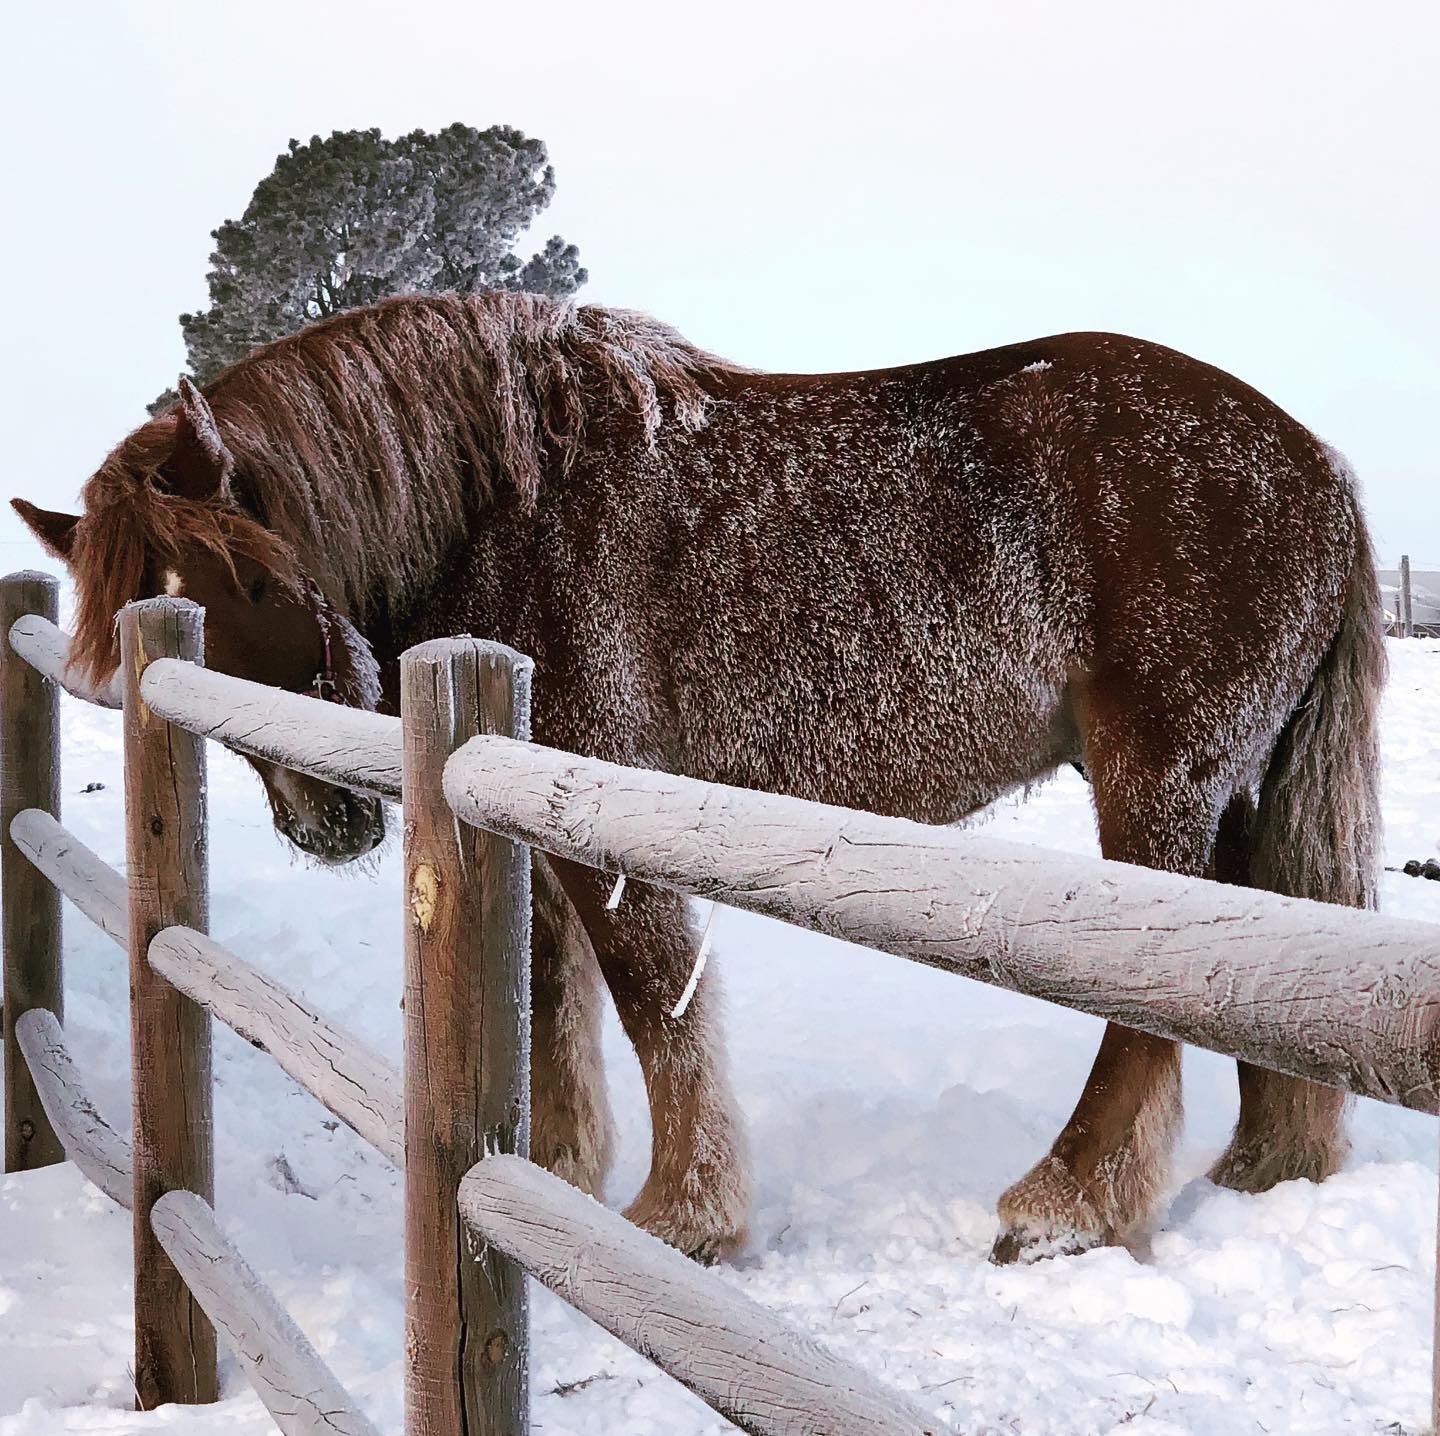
1317 830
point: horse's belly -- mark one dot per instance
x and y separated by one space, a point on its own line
932 744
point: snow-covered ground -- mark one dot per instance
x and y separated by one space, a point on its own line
888 1106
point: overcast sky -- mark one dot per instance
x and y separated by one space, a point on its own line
798 187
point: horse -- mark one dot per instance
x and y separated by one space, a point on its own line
908 590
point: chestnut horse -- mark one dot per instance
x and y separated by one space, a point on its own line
907 590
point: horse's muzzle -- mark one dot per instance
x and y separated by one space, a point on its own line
348 827
322 820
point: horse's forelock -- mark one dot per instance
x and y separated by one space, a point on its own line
129 527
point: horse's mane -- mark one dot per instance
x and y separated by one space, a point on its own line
365 442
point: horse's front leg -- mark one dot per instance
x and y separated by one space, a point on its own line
571 1131
697 1196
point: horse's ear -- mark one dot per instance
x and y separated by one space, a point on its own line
55 531
200 466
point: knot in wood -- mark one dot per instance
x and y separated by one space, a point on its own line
157 826
497 1346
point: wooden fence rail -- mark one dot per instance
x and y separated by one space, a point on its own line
1347 998
341 1072
290 1378
46 648
74 871
288 1375
742 1360
88 1139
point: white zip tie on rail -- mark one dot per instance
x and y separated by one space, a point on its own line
614 899
705 939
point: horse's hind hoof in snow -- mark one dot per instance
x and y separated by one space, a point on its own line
1289 1130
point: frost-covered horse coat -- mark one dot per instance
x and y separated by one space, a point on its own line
907 590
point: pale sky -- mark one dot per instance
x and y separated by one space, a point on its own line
803 187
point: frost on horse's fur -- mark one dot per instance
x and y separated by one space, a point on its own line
908 590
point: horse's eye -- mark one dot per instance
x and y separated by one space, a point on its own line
257 590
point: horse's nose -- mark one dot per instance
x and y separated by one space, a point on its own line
356 825
348 827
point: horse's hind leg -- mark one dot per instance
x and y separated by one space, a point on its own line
1288 1128
571 1133
697 1195
1104 1176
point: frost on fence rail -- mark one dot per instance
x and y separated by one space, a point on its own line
46 648
89 1140
287 1373
1347 998
343 1074
345 746
92 885
337 1069
341 745
745 1362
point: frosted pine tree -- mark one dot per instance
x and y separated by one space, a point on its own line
349 219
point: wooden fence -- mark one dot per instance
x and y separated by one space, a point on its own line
1346 998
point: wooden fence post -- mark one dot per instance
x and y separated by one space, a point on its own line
167 871
467 1047
29 778
1407 603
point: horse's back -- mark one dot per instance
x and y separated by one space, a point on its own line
883 588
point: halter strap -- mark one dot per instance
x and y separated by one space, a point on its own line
325 686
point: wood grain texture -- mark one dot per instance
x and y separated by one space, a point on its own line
334 1066
750 1365
298 1389
30 922
1344 997
75 871
341 745
46 648
467 1048
100 1152
167 877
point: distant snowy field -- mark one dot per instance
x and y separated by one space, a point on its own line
888 1107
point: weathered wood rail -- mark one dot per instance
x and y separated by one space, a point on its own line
1346 998
742 1360
295 1385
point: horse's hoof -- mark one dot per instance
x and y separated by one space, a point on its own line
1243 1168
705 1236
710 1253
1009 1247
1015 1245
1048 1213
